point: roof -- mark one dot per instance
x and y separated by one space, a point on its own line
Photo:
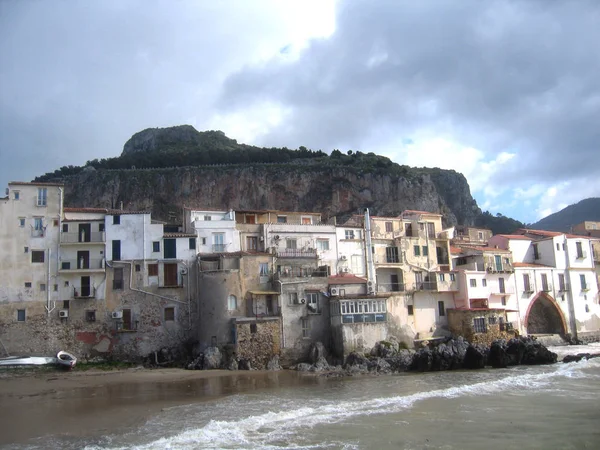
455 250
120 212
345 278
515 236
485 249
40 183
264 292
411 212
85 210
522 264
179 235
549 234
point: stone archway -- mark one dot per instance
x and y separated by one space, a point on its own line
545 317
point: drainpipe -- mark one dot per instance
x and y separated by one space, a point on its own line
370 268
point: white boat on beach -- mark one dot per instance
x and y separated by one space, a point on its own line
63 359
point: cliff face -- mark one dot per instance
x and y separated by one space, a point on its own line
329 190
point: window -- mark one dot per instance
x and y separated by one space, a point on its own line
536 253
545 282
16 195
231 302
411 310
116 250
306 220
66 304
392 255
153 270
389 227
37 256
26 249
28 285
20 315
408 229
441 309
312 303
561 282
42 287
293 296
557 246
21 222
101 227
484 282
169 314
38 225
251 243
480 235
263 269
55 288
90 316
118 278
583 282
281 219
526 283
452 277
250 218
116 220
431 229
138 267
503 300
479 325
203 240
253 328
42 197
425 250
156 247
55 222
442 277
305 327
579 247
323 244
192 244
564 247
349 234
501 285
218 242
291 244
473 282
417 250
492 320
207 218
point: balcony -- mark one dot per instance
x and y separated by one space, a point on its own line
500 292
426 286
82 264
82 238
219 248
391 287
299 272
502 268
84 292
563 288
546 287
296 253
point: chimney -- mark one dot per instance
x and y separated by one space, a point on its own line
121 206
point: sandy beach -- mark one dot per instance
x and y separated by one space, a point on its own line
89 403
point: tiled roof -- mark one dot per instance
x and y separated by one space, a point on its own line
120 212
515 236
522 264
86 210
410 212
485 249
345 278
549 234
455 250
178 235
40 183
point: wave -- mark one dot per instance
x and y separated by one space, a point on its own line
280 428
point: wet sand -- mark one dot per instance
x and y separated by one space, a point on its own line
91 403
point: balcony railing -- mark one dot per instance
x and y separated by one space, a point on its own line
82 264
219 247
84 292
391 287
426 286
297 253
300 272
72 238
546 287
563 288
38 233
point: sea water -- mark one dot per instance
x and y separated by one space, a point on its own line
538 407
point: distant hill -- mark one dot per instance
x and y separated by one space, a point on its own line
563 220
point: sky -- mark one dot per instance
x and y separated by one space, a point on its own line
505 92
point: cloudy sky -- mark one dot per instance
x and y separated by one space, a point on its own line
506 92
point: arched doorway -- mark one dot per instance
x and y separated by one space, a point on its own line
545 317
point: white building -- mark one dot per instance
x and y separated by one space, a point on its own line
215 230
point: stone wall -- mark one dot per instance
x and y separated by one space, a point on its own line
258 340
460 323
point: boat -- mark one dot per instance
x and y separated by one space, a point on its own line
66 359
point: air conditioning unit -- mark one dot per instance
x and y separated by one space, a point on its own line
370 284
117 315
370 290
302 301
63 313
261 239
343 258
183 271
333 292
276 237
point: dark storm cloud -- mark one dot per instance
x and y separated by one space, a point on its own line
516 76
78 78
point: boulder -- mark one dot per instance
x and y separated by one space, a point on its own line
401 361
273 363
232 364
515 349
212 358
576 358
316 351
303 367
475 357
244 364
379 365
196 364
446 357
422 360
536 354
321 365
497 356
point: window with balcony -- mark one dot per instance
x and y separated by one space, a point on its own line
281 219
42 196
392 255
291 244
218 242
306 220
250 218
561 282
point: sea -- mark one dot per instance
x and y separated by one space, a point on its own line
526 407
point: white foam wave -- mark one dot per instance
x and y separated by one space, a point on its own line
280 428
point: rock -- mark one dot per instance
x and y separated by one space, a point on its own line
515 349
380 365
385 349
475 357
196 364
576 358
232 364
447 357
316 351
536 354
356 359
303 367
244 364
321 365
497 357
402 361
273 363
212 358
422 360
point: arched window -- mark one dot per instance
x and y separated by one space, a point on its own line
232 303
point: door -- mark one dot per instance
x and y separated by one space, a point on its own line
85 232
127 319
431 229
419 280
218 242
83 259
170 246
395 284
116 250
498 259
86 289
501 285
251 243
170 273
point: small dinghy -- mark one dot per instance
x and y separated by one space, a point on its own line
66 359
12 361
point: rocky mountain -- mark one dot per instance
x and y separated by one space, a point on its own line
163 170
563 220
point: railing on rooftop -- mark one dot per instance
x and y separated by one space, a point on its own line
296 253
84 292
